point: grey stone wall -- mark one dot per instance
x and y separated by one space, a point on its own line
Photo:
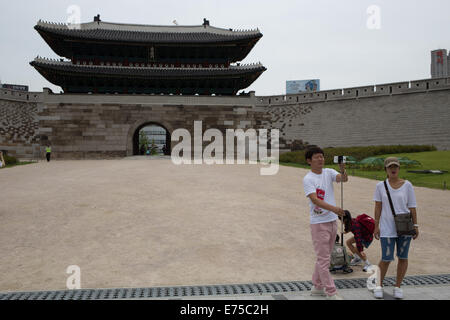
416 112
102 126
19 128
81 130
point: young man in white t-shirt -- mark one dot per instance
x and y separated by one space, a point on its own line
318 186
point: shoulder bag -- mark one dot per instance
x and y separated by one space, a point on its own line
403 221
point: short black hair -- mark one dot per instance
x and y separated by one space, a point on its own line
312 150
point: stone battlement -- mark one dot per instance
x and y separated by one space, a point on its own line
168 99
387 89
17 95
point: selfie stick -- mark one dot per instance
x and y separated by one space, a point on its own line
342 202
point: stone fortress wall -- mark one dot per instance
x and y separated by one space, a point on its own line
97 126
19 124
411 112
104 126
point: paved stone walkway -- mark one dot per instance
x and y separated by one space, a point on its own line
433 292
152 223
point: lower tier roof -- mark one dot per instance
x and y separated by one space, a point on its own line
111 79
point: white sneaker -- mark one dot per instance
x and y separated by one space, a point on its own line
335 297
378 292
366 267
398 293
355 261
317 292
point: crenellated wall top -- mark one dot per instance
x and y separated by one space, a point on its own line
386 89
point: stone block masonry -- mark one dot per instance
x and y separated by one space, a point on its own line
19 128
79 129
81 126
398 113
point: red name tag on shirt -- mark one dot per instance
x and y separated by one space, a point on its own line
320 194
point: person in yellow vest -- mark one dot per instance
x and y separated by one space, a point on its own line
48 152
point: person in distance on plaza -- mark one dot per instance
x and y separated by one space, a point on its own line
318 188
403 201
2 160
48 152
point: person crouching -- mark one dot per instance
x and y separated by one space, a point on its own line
362 228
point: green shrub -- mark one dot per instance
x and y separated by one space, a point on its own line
9 160
358 153
371 167
293 157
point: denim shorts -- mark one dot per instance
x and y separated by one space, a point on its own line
388 245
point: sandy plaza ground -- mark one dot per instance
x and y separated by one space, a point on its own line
135 222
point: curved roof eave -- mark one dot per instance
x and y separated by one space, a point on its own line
64 66
143 33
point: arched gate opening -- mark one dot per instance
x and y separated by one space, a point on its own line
151 138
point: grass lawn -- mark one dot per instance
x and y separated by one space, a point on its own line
20 163
431 160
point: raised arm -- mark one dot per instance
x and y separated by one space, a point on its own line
343 175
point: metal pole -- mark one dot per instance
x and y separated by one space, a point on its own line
342 207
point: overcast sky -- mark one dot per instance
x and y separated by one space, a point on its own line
338 42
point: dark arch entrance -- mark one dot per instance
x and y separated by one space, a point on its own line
136 150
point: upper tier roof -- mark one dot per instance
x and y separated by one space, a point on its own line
108 31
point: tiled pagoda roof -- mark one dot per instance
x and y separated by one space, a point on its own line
107 31
153 72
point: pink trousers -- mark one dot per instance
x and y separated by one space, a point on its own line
323 238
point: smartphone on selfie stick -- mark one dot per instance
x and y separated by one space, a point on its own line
339 160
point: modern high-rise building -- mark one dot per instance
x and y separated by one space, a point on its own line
440 64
